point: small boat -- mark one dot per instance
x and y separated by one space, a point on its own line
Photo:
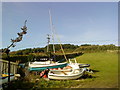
66 74
72 71
41 67
4 78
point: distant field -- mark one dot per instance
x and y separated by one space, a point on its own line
105 66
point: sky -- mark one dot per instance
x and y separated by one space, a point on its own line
75 23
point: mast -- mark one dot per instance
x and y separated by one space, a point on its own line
48 37
51 27
53 32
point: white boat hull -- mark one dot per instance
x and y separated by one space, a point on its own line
65 75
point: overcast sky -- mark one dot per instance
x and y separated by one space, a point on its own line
75 22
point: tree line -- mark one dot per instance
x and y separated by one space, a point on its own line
97 48
68 48
71 51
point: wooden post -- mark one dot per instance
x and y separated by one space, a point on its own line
8 58
1 66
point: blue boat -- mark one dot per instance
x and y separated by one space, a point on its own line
4 78
33 67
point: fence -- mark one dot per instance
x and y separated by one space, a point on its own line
4 67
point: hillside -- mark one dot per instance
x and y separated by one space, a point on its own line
71 51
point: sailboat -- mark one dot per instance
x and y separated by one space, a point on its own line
40 65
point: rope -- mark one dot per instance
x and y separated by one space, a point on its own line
53 32
61 45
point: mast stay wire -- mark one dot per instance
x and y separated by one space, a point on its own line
53 33
60 44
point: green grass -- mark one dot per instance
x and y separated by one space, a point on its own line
107 66
104 64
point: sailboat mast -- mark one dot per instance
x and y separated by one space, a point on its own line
53 31
51 27
48 42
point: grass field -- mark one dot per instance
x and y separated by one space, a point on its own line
104 65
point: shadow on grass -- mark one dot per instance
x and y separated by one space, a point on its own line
19 85
87 76
95 71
